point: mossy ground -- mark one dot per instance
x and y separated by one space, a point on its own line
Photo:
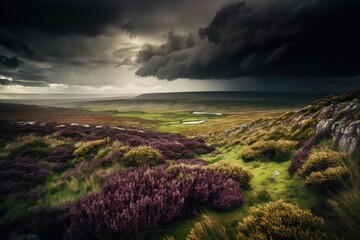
264 187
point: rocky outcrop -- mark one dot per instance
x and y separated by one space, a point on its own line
346 137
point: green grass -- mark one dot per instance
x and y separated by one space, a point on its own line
264 187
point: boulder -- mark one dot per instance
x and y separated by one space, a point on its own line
350 137
324 126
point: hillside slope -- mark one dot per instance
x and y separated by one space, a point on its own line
335 117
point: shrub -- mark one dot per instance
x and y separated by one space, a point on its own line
143 155
238 173
298 159
280 220
85 147
269 150
20 175
147 198
331 177
320 161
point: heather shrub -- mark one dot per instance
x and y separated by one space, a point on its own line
331 177
143 155
147 198
236 172
280 220
49 222
320 161
20 175
269 150
299 158
83 148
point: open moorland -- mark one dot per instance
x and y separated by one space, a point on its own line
200 167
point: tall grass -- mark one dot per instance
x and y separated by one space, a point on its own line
346 204
210 228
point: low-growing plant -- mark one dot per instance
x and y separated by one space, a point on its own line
143 155
321 160
331 177
269 150
33 147
299 158
280 220
147 198
210 228
345 203
236 172
83 148
18 176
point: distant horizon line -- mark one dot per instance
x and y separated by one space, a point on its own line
301 92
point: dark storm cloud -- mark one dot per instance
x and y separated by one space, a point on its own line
60 17
15 45
82 32
12 62
90 17
312 38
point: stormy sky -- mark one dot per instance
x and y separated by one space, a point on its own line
121 46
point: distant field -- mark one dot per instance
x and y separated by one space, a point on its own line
162 115
169 114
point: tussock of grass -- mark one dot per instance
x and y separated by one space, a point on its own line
209 228
345 204
32 146
83 148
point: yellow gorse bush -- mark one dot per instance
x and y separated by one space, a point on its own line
143 155
280 220
270 150
321 160
236 172
332 175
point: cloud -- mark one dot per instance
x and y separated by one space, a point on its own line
93 17
12 62
15 45
268 39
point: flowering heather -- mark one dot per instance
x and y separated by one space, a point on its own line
19 175
147 198
60 156
299 158
111 157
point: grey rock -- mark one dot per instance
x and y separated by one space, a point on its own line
324 126
350 137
